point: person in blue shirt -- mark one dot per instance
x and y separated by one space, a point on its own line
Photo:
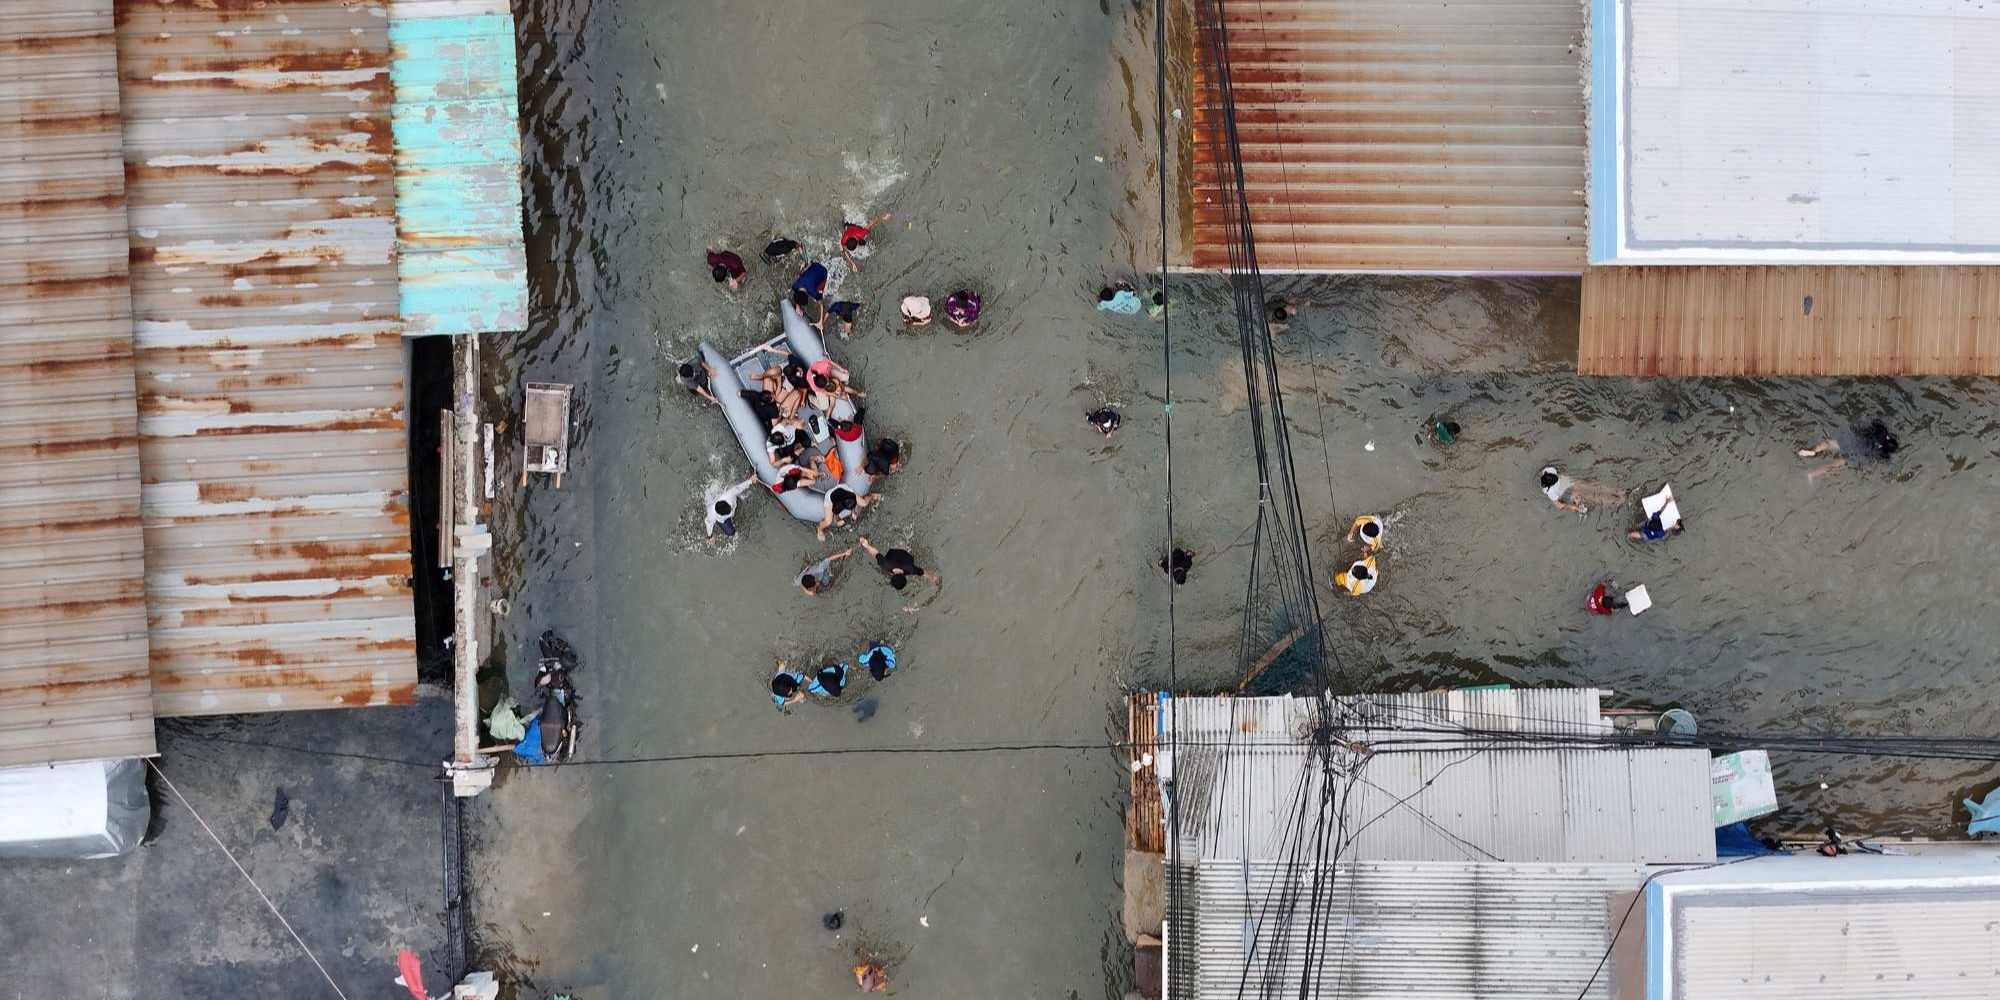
879 659
809 288
787 686
1120 299
828 681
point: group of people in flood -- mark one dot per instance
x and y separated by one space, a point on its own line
790 685
1660 516
794 402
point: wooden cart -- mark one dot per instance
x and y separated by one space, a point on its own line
545 431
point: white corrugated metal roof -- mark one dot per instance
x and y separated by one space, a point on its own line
1414 931
1814 928
1429 716
1576 805
1249 780
1777 131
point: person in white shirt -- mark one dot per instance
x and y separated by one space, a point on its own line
721 508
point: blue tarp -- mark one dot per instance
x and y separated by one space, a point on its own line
1985 814
1734 841
530 747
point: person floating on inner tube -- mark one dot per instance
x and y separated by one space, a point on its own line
1603 600
1105 419
1359 578
1369 527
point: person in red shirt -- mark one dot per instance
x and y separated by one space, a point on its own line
725 266
1602 601
854 240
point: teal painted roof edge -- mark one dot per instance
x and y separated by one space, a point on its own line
1606 56
461 259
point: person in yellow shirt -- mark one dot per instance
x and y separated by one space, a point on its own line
1359 578
1369 527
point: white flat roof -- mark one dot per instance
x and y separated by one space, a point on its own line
1795 131
1856 927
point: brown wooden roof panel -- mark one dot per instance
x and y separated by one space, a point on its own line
1783 320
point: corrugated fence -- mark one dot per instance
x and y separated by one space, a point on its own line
73 675
261 185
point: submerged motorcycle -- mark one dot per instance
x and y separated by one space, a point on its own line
553 732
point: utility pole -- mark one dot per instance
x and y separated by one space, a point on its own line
471 772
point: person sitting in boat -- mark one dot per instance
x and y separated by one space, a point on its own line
843 505
826 382
1369 527
849 429
787 442
792 477
786 382
1359 578
787 686
763 405
961 308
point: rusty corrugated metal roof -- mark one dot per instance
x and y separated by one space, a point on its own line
270 359
1400 135
73 677
463 265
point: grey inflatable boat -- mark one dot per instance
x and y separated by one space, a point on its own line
808 503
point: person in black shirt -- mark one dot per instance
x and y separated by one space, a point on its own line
899 564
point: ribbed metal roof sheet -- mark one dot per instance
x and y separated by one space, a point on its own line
1407 930
1575 805
261 186
1250 779
1400 135
463 266
1814 928
1436 717
73 677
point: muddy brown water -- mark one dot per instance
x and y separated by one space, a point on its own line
1859 604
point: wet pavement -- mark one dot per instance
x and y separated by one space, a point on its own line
355 866
1851 605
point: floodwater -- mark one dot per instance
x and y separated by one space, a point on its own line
1011 143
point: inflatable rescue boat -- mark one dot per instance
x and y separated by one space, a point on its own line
807 503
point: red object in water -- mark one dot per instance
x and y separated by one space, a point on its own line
1596 605
413 974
